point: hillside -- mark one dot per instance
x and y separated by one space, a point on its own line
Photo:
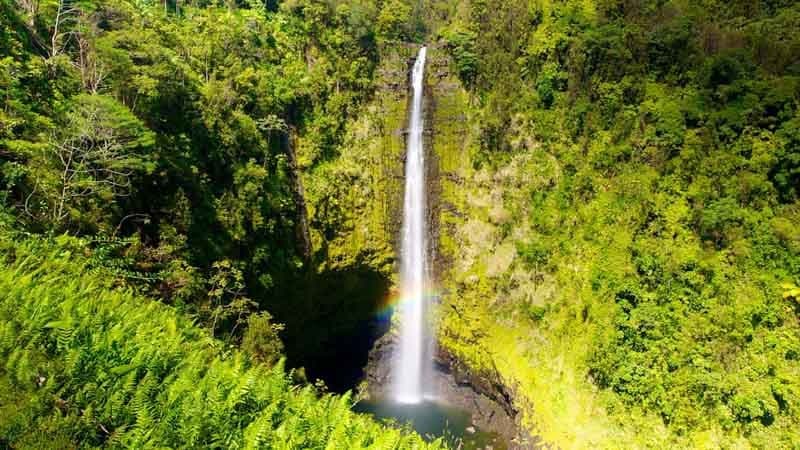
90 365
201 206
621 215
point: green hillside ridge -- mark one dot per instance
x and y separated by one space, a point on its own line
222 156
194 147
89 365
620 213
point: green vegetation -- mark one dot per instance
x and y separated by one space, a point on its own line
88 365
618 197
180 135
202 152
623 215
174 125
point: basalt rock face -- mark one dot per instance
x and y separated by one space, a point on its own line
377 374
489 402
487 385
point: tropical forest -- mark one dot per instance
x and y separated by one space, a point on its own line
400 224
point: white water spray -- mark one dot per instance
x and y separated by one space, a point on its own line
413 347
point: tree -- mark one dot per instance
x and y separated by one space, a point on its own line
66 14
393 21
261 339
461 45
93 157
227 301
786 173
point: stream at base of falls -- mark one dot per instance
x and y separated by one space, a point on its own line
434 419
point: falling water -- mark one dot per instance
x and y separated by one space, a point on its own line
413 343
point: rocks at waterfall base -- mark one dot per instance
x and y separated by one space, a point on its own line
489 402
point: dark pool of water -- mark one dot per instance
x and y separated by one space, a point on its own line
432 420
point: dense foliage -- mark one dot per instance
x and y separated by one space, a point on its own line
635 177
86 365
177 135
620 206
174 125
175 138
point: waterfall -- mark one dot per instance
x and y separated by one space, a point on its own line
414 348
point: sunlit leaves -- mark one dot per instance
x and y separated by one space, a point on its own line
104 367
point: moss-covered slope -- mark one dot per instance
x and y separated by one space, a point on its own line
616 224
355 198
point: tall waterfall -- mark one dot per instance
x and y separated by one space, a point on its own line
414 349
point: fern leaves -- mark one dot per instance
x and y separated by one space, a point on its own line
104 367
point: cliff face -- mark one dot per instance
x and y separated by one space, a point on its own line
476 216
489 324
486 323
355 199
468 218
